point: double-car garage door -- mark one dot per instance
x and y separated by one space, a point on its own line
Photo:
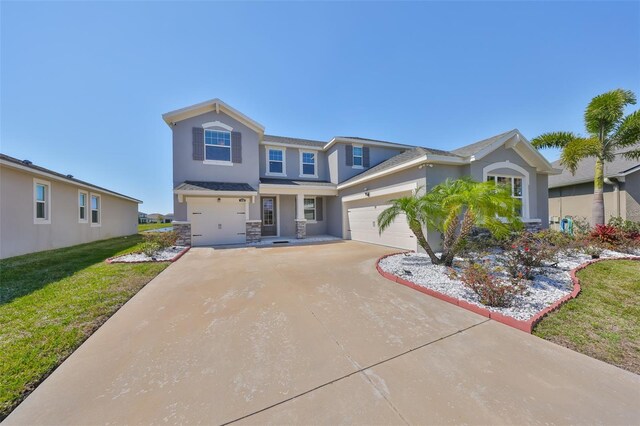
217 221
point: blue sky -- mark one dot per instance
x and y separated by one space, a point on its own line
83 85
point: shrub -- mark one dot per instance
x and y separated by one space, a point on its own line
558 240
581 227
150 248
527 253
491 290
162 239
630 229
606 235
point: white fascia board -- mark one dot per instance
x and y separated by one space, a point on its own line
393 189
69 181
366 142
489 149
288 145
211 105
386 172
276 189
212 193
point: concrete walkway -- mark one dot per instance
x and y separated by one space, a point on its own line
313 335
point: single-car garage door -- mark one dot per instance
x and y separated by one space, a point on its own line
363 225
216 221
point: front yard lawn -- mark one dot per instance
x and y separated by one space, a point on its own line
50 302
149 226
604 320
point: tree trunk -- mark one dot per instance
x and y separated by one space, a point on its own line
465 230
597 209
422 241
450 233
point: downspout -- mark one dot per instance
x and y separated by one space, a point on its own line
616 192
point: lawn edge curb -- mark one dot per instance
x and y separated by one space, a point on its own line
523 325
173 259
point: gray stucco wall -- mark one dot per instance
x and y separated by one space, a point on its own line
292 164
288 215
185 168
542 186
19 235
337 160
632 197
576 201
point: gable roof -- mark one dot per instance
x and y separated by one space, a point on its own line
190 185
216 105
284 140
475 147
585 172
26 165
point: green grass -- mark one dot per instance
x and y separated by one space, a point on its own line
148 226
50 302
604 320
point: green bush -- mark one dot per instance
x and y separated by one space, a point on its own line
161 239
150 248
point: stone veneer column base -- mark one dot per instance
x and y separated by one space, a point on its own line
183 229
253 231
301 228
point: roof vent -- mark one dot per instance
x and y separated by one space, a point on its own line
70 176
26 162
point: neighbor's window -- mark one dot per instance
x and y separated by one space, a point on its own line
309 163
310 208
217 145
357 156
82 206
95 209
276 161
514 184
42 200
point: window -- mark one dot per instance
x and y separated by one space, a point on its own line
267 211
310 208
82 206
308 164
42 202
357 156
95 210
514 184
275 160
217 146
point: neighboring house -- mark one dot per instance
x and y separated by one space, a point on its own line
572 195
155 218
234 184
142 217
41 209
168 218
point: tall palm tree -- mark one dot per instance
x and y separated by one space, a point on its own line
608 130
482 204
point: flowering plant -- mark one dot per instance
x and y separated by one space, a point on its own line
490 287
527 252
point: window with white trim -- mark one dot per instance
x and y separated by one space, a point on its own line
308 163
96 209
217 145
310 209
357 156
42 201
275 161
82 206
514 184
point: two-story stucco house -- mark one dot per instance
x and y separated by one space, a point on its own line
234 184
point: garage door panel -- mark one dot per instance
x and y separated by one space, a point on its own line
363 225
216 222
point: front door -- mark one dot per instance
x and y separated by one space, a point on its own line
268 214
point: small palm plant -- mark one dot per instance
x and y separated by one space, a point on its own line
609 130
454 207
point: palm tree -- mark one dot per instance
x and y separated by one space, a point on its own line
609 130
482 204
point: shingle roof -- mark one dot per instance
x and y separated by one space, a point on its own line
272 181
586 170
190 185
371 140
469 150
30 165
401 158
294 141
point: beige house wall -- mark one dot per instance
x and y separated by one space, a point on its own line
18 233
576 201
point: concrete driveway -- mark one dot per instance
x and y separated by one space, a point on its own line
312 334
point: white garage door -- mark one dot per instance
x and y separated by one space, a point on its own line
363 224
216 222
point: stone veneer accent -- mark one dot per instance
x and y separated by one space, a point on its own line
301 228
183 229
254 231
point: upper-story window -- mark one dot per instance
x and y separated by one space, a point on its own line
308 164
357 156
217 145
513 183
275 161
42 201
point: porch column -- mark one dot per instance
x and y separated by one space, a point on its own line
301 222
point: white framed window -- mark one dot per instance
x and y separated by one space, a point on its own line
357 156
41 202
308 164
310 209
83 199
514 183
96 209
217 147
276 162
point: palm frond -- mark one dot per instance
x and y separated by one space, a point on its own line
605 111
578 150
554 139
628 132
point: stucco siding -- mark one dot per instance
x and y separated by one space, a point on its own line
287 215
376 156
632 197
293 162
577 200
333 216
542 188
19 234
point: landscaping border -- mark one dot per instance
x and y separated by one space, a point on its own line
176 257
526 326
